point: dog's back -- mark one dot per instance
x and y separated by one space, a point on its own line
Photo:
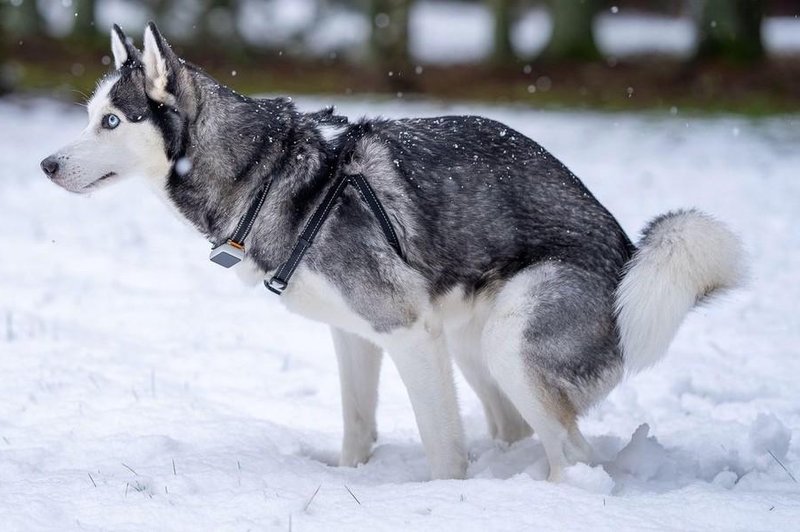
485 201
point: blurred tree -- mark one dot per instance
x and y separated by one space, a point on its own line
160 9
84 30
24 19
217 23
5 82
730 30
389 36
502 51
573 37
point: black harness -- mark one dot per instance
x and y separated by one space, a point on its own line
281 278
232 252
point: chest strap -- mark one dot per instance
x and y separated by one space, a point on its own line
278 283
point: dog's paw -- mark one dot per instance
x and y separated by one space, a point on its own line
356 449
354 455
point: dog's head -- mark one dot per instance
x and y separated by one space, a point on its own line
137 118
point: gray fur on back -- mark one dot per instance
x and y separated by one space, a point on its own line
481 201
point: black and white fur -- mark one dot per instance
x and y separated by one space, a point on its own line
509 265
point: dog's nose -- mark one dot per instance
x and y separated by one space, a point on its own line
50 166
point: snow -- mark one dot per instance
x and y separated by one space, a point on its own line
145 388
590 478
769 435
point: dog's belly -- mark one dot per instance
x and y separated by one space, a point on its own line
314 297
453 318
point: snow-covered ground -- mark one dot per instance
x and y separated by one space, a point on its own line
144 388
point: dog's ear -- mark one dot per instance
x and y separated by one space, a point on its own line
161 66
122 48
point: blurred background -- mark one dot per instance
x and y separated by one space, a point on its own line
704 55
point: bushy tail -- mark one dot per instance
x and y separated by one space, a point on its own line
683 258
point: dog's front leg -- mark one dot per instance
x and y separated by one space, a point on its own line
427 372
359 371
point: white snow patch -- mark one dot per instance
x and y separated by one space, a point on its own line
643 457
183 166
769 435
593 479
726 479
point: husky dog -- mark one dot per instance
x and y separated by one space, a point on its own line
507 262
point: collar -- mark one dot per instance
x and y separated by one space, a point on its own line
232 251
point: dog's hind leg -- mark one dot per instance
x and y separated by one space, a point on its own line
502 418
552 346
427 372
359 371
550 421
578 449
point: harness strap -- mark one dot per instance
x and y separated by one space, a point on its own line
377 209
278 283
246 222
231 252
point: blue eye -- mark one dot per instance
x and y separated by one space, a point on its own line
110 121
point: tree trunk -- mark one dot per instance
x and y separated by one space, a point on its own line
218 23
5 81
389 36
84 30
573 36
730 30
84 17
26 19
160 9
502 51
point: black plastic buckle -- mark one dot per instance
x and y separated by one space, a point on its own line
275 285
